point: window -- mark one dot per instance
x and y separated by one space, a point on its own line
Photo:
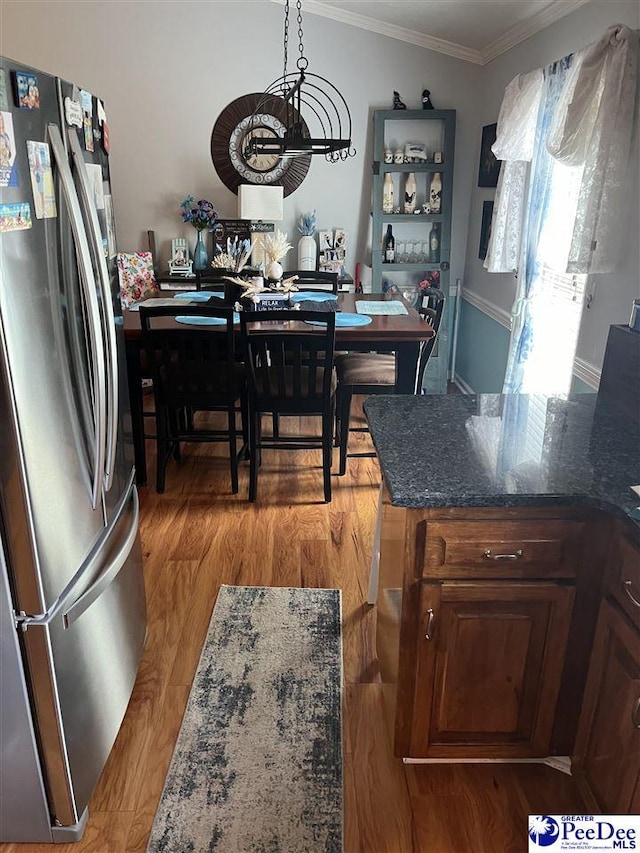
556 297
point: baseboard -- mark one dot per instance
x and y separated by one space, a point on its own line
557 762
462 385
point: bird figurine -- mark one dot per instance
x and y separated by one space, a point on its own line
397 103
426 100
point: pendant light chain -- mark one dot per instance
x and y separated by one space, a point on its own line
303 62
286 36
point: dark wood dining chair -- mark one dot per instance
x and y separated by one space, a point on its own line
289 359
194 369
321 280
375 373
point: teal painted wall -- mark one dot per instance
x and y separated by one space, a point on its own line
482 350
580 387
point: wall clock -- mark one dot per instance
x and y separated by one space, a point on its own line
248 116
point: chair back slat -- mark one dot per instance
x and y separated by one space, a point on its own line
290 364
190 365
432 312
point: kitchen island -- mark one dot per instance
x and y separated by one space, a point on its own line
508 607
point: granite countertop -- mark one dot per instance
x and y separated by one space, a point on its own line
461 450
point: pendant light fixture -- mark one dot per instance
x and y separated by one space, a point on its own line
317 120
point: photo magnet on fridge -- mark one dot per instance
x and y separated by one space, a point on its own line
15 217
25 90
8 170
4 100
87 118
44 198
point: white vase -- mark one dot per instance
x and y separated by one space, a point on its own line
274 271
307 252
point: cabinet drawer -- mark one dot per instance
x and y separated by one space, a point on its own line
490 549
625 579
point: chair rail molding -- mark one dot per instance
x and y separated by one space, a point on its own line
588 373
584 370
498 314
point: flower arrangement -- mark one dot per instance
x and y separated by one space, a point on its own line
200 214
275 245
432 279
308 224
235 257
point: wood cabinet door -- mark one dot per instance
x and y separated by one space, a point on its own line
607 756
490 659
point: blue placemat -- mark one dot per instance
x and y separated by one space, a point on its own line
316 296
345 319
391 308
154 303
199 295
197 320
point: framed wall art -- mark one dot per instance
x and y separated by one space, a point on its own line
489 167
485 229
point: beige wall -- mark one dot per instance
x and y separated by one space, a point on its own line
166 69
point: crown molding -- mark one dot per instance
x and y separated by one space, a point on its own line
524 30
449 48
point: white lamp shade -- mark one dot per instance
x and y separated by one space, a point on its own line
260 203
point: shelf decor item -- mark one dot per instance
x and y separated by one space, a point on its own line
307 249
435 193
203 217
410 190
276 247
387 194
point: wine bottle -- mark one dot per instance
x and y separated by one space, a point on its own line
388 246
410 193
434 244
387 194
435 192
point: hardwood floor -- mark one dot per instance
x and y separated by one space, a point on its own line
197 536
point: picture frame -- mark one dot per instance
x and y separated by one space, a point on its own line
180 263
485 229
489 166
25 90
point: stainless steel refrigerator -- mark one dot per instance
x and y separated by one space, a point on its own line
72 602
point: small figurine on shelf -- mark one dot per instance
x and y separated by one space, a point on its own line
397 103
180 263
426 100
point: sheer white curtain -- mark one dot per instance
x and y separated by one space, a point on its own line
514 145
592 128
564 135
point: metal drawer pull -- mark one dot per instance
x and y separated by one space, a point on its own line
634 714
627 588
429 633
519 554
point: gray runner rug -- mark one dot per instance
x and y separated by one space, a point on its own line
257 767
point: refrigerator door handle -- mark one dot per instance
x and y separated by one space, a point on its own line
96 589
69 605
95 330
93 231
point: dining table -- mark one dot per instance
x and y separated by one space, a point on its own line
400 333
